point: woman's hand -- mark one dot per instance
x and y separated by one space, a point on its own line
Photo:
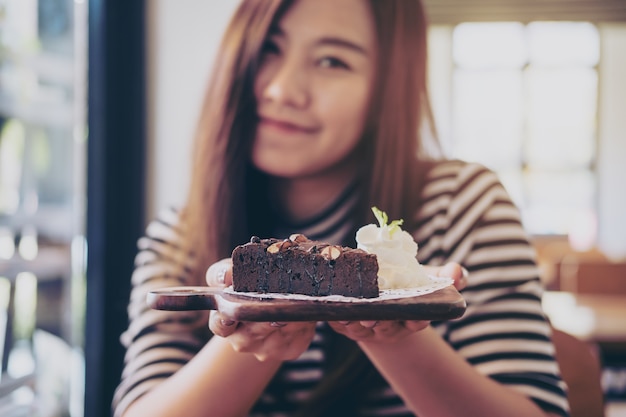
390 331
265 340
451 270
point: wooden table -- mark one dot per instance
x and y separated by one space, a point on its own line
598 318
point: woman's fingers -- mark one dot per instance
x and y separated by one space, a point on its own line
273 341
462 283
385 331
286 342
221 325
220 274
265 340
416 325
456 272
451 270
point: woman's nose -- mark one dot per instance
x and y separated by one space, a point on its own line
286 84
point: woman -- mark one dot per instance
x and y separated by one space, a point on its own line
312 117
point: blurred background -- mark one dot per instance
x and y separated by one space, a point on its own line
98 104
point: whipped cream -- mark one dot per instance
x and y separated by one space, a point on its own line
396 252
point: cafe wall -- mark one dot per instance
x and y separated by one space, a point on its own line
183 37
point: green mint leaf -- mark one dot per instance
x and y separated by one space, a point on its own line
394 226
382 218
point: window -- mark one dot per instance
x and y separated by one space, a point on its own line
523 101
42 201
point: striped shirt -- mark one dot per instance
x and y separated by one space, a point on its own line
466 216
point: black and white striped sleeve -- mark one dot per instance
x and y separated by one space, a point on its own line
469 218
157 343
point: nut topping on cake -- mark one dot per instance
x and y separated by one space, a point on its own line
280 246
274 247
298 238
331 252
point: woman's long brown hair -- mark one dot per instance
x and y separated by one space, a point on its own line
216 213
219 211
227 197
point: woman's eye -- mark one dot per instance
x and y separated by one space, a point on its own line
331 62
270 48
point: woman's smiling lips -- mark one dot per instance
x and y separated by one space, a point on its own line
285 126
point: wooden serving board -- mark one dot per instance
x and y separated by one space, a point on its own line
443 304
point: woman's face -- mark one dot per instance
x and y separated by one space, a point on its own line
313 87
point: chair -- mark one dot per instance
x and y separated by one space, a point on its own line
581 370
592 277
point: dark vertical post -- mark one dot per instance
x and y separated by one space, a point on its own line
115 186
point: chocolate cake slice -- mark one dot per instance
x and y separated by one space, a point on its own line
299 265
